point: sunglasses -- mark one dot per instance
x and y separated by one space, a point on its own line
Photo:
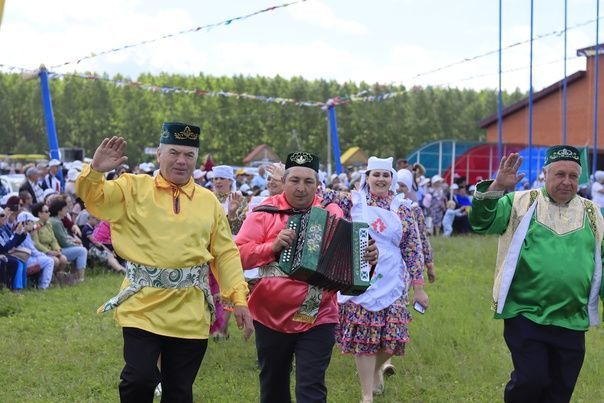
44 211
2 215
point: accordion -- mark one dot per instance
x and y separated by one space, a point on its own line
328 252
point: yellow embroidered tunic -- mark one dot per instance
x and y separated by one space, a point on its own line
146 229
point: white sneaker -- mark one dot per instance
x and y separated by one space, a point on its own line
158 390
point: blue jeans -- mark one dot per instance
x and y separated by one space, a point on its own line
77 253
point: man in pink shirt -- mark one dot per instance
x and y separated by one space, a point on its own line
289 317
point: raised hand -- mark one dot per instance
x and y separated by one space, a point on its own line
109 155
235 200
276 170
507 177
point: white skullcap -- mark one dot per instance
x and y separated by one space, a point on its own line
405 177
454 186
198 173
73 174
48 192
599 175
223 171
437 178
380 163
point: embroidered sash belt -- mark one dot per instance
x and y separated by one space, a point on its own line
309 310
140 275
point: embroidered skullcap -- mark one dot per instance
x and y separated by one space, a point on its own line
302 159
562 153
181 134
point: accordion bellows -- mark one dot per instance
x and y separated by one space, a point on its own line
328 252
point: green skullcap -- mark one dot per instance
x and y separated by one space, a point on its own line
180 134
302 159
562 153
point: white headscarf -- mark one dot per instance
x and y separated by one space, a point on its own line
405 177
225 171
380 163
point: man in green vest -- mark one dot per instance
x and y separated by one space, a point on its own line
549 270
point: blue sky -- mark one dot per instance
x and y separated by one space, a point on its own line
384 41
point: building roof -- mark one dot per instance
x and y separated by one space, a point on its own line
591 50
536 97
261 152
353 154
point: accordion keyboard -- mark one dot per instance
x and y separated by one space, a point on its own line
365 269
287 255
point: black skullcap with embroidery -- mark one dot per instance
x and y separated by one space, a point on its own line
302 159
562 153
181 134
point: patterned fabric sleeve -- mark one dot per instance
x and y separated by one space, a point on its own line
411 245
342 199
240 215
421 226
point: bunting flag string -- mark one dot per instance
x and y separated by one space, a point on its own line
513 45
199 92
167 36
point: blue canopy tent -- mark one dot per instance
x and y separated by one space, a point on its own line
437 156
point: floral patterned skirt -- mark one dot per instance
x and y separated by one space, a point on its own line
365 332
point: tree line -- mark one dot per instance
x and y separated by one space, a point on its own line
86 111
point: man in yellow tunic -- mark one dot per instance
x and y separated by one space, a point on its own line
171 233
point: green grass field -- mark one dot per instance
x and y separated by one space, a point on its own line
54 348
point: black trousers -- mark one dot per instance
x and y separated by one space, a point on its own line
547 361
312 350
180 361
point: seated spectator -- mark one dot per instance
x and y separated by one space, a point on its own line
72 175
36 257
26 200
32 176
44 237
102 235
50 180
71 247
69 220
9 240
12 210
47 194
96 249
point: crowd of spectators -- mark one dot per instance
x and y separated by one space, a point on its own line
47 237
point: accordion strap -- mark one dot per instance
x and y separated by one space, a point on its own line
267 208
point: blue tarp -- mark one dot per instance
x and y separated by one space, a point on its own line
538 160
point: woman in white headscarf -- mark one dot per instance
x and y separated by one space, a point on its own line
597 189
373 325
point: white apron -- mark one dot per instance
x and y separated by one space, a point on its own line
390 279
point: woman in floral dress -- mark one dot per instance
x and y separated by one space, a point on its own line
373 325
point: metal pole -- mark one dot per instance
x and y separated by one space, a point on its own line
329 171
530 128
565 75
440 157
594 165
491 162
452 167
53 141
334 138
499 98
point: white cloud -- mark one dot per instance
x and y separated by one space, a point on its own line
318 13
